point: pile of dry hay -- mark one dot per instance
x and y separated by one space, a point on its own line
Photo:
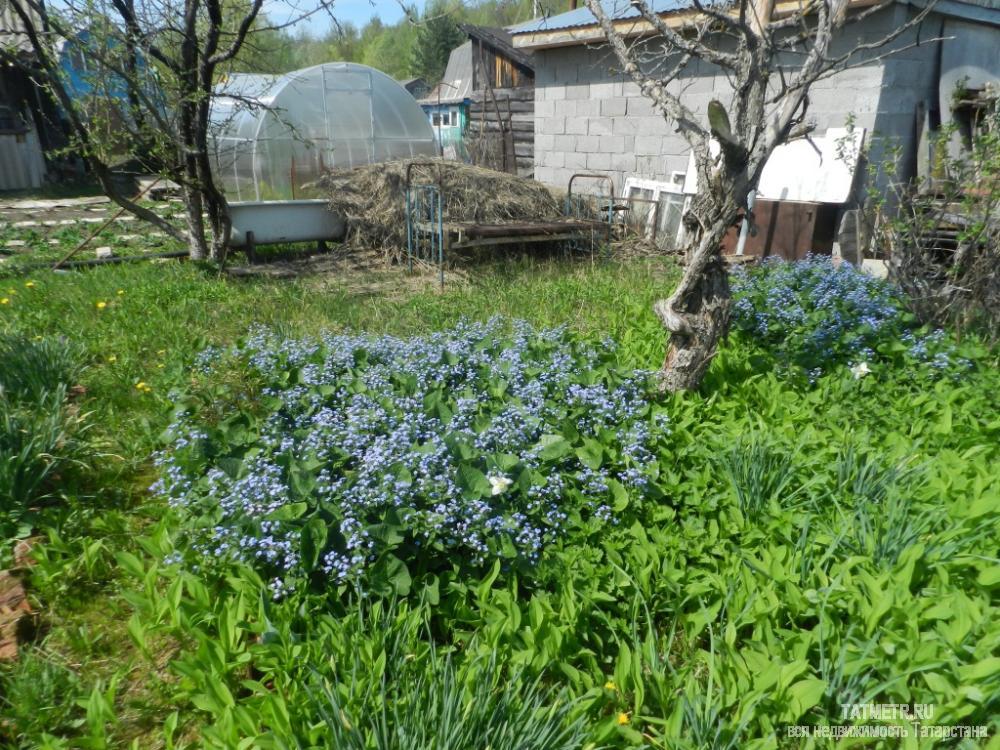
373 199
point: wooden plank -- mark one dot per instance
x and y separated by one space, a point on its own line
518 119
492 126
517 107
530 228
550 229
521 93
521 240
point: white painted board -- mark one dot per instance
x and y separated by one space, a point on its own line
818 170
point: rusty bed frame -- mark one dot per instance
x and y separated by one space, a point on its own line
429 238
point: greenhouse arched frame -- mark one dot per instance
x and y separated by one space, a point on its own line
274 136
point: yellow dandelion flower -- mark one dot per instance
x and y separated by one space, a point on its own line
121 292
610 685
101 305
623 718
4 301
29 284
141 386
113 358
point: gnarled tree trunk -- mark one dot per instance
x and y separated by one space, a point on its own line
696 315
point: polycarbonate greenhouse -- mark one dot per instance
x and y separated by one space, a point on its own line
275 135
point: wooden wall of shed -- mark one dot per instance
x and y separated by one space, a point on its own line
492 69
502 122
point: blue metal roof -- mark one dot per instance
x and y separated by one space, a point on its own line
616 9
985 11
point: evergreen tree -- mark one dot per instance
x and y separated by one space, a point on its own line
436 38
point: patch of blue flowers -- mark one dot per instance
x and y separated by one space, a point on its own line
818 316
488 441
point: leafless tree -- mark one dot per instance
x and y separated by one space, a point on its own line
771 62
156 63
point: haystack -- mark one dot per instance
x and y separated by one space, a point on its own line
373 199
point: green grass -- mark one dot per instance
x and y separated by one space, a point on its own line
144 324
770 490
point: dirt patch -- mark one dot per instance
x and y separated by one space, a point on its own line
352 271
16 616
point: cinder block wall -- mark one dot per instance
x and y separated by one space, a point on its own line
590 118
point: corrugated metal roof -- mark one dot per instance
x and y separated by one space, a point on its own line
500 40
12 36
616 9
981 11
456 86
987 11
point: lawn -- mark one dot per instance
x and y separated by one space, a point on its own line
316 512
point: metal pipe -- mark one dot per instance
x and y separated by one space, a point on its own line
104 261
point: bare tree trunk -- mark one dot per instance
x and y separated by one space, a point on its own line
197 247
697 314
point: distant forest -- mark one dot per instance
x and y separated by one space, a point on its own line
416 46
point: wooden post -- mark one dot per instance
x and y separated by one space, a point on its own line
251 248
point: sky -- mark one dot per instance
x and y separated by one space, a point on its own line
357 12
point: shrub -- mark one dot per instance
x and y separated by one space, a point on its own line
37 695
37 434
815 315
943 233
29 443
470 713
32 369
355 455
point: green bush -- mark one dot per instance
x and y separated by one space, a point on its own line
39 435
37 697
33 369
817 316
367 461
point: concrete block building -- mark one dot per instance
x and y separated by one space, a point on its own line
590 117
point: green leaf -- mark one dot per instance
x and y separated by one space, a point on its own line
989 577
981 670
230 466
805 694
313 540
619 494
590 453
131 563
289 512
391 576
473 480
553 447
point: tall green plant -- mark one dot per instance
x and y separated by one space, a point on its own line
437 37
759 475
31 369
446 707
